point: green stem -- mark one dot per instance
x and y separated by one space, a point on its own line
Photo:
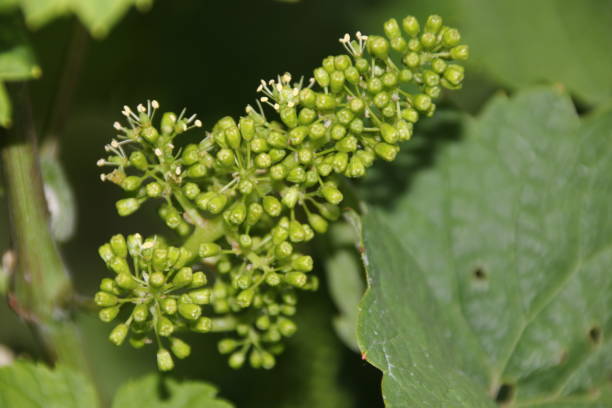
42 288
206 230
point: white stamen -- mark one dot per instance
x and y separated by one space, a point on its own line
264 99
178 170
100 162
141 108
117 126
114 143
276 106
158 152
155 104
198 123
103 177
259 88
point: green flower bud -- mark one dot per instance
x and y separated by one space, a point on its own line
412 60
191 190
460 52
139 160
288 310
283 250
316 131
119 265
433 23
388 133
347 145
267 360
410 115
202 199
338 131
297 279
189 311
451 37
318 223
131 183
337 81
237 213
352 75
236 360
245 297
356 126
355 167
378 46
278 139
392 29
126 281
226 346
164 360
164 326
199 280
297 135
296 231
290 197
272 206
375 85
197 170
157 279
386 151
297 175
150 134
108 314
322 77
254 214
308 97
422 102
332 194
140 312
180 348
255 358
428 40
286 327
415 45
190 155
167 122
431 78
390 79
411 26
325 102
340 162
247 128
245 241
263 160
306 116
233 137
153 189
118 334
273 279
405 75
454 74
217 203
263 322
168 306
106 253
127 206
342 62
328 64
226 157
399 44
203 325
119 245
302 263
108 285
329 211
404 130
104 299
259 145
201 296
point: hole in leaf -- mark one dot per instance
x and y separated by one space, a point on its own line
504 393
595 334
479 273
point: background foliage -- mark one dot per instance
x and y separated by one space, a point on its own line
194 54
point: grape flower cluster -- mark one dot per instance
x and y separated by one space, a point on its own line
245 199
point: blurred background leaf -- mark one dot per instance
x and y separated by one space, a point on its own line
152 391
28 385
521 42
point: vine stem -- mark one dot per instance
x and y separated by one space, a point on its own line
42 292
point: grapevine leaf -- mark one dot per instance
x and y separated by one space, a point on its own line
29 385
99 16
523 42
145 392
511 231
